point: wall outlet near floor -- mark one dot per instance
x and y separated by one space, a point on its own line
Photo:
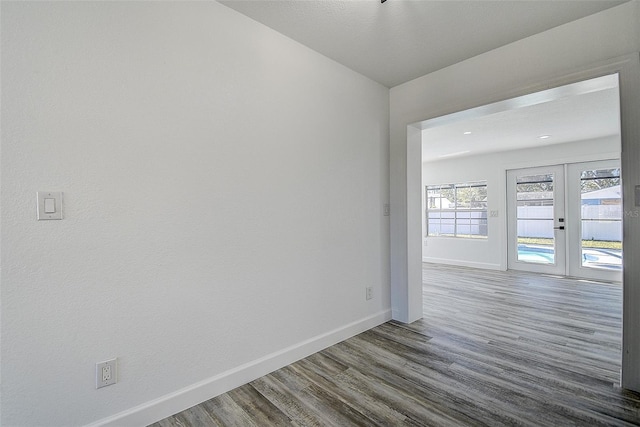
106 372
369 292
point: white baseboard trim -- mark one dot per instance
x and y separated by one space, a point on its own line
194 394
483 265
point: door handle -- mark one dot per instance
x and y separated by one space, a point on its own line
559 228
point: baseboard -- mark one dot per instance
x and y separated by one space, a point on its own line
482 265
187 397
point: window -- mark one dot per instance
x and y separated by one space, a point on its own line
601 222
457 210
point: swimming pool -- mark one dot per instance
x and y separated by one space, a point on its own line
610 259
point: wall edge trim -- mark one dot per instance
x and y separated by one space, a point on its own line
459 263
169 404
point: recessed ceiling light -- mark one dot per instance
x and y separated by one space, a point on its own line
544 136
467 133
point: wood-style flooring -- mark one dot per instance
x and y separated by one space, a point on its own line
494 348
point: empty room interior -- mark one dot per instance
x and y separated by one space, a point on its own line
324 212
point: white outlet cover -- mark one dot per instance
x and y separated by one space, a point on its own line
110 367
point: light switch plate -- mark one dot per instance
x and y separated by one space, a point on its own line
57 205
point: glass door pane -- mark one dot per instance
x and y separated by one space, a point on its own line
535 218
601 219
536 224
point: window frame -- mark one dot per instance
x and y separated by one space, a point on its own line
433 205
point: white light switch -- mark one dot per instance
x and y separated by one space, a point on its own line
49 205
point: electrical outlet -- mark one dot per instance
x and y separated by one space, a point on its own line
106 373
369 292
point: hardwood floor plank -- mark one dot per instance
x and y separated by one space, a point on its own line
259 408
224 411
288 402
494 348
425 382
375 412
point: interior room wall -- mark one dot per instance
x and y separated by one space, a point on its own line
223 206
491 253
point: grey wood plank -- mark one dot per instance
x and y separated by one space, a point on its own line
261 410
288 401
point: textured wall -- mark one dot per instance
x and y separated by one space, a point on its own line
223 190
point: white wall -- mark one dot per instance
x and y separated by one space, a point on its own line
602 43
491 252
223 188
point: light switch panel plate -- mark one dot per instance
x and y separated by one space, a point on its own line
56 205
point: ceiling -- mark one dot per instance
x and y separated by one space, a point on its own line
576 112
400 40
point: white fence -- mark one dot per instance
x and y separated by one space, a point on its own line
460 222
600 222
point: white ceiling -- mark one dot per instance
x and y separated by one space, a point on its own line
580 111
400 40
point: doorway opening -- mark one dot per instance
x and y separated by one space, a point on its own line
571 127
531 183
406 244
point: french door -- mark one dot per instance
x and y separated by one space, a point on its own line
566 220
535 198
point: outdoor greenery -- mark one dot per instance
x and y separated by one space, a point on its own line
593 180
467 195
597 244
